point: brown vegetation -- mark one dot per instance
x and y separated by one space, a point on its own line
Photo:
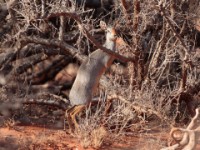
156 74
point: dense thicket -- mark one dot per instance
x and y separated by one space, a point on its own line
157 71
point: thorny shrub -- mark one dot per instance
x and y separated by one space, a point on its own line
161 36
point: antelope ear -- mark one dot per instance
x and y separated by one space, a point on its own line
103 25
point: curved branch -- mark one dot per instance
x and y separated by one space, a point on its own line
89 36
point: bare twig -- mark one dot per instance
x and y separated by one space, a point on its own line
43 8
62 28
136 69
136 107
184 53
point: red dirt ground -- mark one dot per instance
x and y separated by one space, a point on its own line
38 130
32 137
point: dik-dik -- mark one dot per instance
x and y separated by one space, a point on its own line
89 74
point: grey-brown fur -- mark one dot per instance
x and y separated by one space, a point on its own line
90 71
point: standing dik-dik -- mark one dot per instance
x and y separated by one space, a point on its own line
89 74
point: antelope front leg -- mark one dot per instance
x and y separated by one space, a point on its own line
77 109
71 116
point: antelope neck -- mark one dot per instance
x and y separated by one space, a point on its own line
110 44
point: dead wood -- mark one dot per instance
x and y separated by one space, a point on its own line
189 137
65 49
49 102
30 63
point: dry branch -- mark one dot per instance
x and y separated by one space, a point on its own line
62 28
190 135
41 99
30 63
89 36
31 49
136 107
51 102
57 39
11 55
183 53
65 49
